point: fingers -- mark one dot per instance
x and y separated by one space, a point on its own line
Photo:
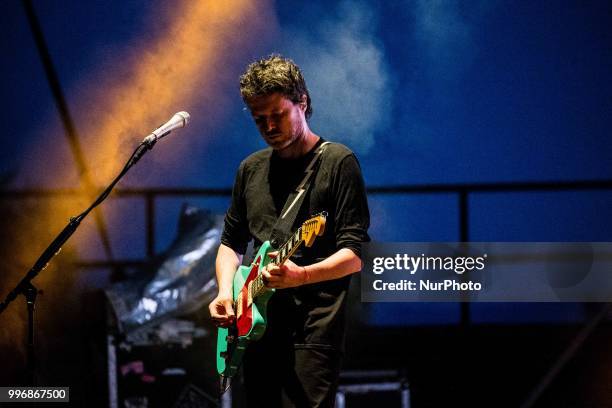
273 275
268 279
223 321
274 270
229 308
273 278
222 312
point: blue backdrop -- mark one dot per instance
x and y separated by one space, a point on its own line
423 91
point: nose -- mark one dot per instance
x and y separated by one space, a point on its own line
269 125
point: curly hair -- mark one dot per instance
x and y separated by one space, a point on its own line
275 74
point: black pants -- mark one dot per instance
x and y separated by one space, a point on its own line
281 375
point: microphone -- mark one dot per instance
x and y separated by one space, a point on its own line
179 120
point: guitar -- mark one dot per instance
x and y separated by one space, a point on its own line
251 297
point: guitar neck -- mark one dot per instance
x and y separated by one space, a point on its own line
284 253
288 248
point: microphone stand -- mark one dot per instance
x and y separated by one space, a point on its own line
25 286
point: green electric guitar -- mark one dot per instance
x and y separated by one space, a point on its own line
251 297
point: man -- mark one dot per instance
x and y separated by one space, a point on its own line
297 361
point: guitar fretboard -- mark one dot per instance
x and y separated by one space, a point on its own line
284 253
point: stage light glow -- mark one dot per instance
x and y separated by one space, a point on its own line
186 56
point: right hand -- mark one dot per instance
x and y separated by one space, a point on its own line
221 310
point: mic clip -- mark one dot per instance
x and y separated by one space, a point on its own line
146 144
150 140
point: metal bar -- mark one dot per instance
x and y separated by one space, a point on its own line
462 189
495 187
62 106
580 185
111 358
464 236
39 193
340 400
71 192
226 399
464 216
405 397
179 191
371 387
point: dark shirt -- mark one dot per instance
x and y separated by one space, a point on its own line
311 315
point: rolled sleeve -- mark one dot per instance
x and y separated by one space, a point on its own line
352 217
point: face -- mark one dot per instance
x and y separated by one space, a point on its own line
280 121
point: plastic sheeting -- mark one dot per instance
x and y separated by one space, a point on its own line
181 280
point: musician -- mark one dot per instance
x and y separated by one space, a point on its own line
297 361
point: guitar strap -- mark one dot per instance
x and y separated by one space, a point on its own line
292 206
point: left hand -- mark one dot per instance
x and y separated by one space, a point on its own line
288 275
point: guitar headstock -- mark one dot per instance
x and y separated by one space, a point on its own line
313 227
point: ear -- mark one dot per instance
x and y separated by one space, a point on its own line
303 103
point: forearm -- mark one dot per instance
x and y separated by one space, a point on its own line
343 262
226 264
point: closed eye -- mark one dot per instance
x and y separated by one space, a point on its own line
274 117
